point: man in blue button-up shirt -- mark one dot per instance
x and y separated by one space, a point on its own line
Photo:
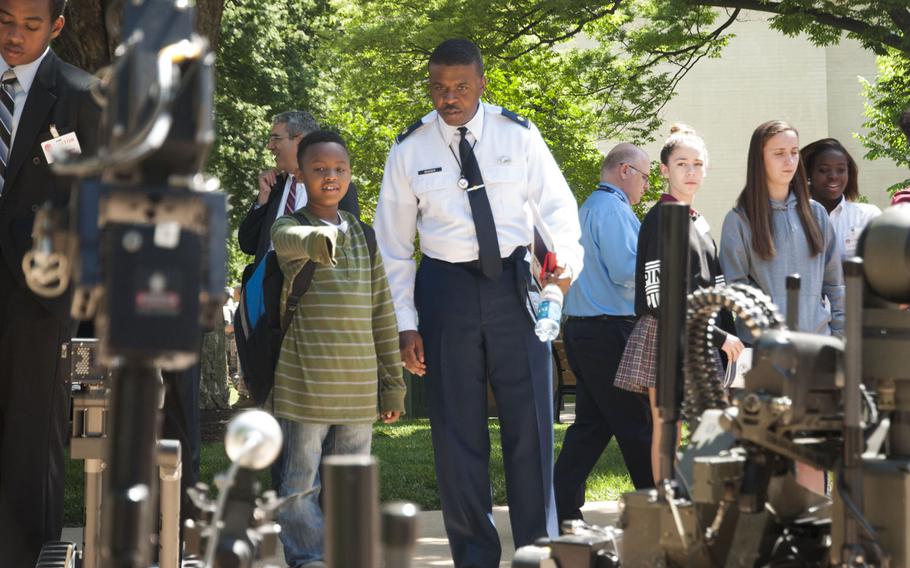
601 314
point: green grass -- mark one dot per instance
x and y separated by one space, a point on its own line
406 469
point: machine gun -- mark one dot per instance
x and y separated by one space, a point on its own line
839 406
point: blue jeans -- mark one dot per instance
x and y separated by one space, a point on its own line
305 444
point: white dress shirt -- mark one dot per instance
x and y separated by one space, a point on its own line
25 74
849 219
299 201
420 195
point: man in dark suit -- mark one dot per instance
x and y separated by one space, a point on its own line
276 196
42 98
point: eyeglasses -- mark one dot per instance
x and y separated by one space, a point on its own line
644 176
276 138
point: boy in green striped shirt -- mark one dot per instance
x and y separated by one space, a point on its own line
339 362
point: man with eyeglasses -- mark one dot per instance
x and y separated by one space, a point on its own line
280 191
601 314
644 177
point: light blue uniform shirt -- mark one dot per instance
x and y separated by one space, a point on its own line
609 235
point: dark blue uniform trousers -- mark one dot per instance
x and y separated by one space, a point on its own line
594 348
474 329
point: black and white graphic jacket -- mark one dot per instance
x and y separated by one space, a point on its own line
704 267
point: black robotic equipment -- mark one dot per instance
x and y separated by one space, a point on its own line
141 247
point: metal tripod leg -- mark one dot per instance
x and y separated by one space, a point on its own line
87 443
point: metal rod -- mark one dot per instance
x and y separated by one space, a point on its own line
351 509
93 469
399 534
674 276
793 284
169 473
853 363
127 509
231 546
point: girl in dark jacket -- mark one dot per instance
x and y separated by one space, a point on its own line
683 161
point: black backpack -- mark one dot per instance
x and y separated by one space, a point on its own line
259 325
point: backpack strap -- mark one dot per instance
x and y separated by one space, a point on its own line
301 282
370 236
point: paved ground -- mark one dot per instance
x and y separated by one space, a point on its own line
433 546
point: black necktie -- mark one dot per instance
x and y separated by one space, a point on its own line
490 261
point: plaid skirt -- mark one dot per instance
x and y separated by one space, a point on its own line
638 367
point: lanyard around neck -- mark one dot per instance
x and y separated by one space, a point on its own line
462 180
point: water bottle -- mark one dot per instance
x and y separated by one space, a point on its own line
549 312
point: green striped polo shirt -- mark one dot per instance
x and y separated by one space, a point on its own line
339 361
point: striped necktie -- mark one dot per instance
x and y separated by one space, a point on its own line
291 204
8 84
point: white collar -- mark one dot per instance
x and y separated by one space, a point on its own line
474 126
841 205
342 226
26 73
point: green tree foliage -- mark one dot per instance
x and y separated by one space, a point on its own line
265 65
886 99
877 24
582 71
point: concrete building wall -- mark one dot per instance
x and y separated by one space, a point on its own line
764 75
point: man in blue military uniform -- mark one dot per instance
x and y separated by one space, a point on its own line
462 179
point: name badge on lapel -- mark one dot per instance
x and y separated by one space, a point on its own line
68 143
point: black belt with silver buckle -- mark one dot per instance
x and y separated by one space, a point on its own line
516 255
602 317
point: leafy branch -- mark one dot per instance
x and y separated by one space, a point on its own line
871 34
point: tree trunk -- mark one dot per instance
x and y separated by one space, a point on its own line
213 386
86 42
208 20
